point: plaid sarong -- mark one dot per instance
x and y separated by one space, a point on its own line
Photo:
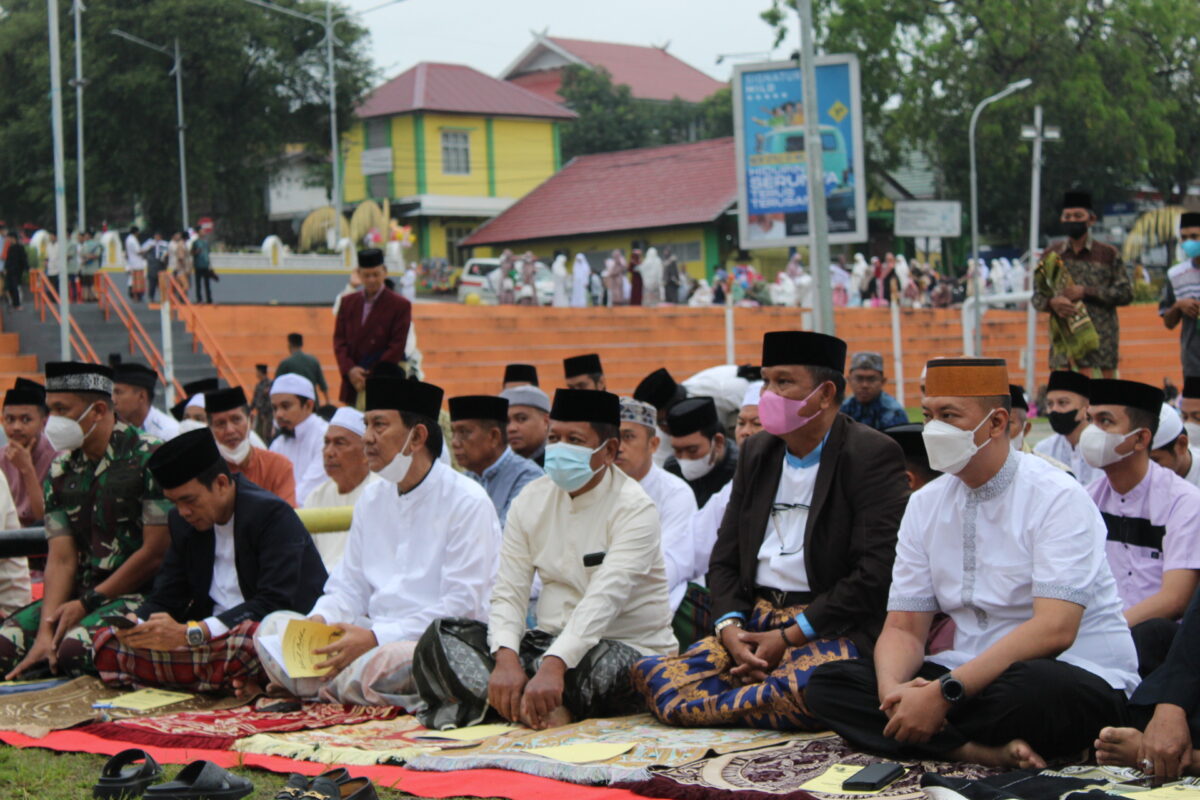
209 668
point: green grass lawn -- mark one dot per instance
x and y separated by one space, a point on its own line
34 774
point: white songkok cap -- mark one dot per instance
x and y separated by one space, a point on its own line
753 394
350 419
1170 425
292 383
196 401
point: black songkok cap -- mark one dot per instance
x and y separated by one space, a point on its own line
659 389
371 257
691 415
1109 392
1189 219
583 365
908 436
1062 380
805 348
404 395
202 386
586 405
1191 387
479 406
180 460
25 393
224 400
749 372
521 373
132 373
1018 396
1077 199
75 376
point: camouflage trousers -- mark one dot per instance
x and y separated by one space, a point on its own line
74 655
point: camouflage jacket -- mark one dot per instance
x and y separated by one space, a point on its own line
103 505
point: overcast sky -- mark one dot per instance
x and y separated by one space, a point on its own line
489 34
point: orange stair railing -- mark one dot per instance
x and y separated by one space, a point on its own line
111 302
201 335
45 297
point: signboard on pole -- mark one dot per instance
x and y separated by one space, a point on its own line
768 118
936 218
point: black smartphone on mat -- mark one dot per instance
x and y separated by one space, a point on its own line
873 777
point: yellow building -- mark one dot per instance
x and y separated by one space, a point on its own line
450 147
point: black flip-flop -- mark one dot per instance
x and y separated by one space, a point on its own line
202 780
123 778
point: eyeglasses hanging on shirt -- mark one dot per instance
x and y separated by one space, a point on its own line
778 509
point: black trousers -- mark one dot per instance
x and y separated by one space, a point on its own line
203 285
1153 639
12 285
1056 707
152 272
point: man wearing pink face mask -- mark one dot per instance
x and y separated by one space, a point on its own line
800 571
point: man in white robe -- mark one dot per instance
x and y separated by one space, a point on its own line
349 474
301 432
1012 550
423 545
1066 406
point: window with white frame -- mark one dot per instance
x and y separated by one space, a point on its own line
456 153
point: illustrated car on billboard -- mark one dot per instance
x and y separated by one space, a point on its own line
839 174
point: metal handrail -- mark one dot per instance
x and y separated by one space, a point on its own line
45 296
202 336
139 340
971 308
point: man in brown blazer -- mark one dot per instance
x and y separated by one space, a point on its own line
801 569
372 326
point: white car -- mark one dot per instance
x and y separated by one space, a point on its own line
481 276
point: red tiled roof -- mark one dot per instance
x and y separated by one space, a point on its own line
656 187
456 88
651 73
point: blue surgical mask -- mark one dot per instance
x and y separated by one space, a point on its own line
1191 248
570 465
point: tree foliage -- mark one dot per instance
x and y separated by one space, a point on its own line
611 118
1122 80
253 82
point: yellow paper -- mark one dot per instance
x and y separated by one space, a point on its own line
830 782
470 734
149 699
1177 792
301 637
586 752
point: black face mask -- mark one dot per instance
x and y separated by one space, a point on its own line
1063 422
1075 230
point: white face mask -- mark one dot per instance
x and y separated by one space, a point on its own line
949 448
65 433
696 468
396 470
1018 444
1193 431
236 455
1099 448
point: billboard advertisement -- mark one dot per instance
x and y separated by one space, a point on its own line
772 169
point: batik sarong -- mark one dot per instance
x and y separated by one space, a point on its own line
695 688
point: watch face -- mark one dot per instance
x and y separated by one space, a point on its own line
195 636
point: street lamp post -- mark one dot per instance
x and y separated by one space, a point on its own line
1005 92
78 82
818 221
60 184
1037 134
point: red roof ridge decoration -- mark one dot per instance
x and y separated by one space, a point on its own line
456 89
651 187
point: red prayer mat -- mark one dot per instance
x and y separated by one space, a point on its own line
218 730
467 783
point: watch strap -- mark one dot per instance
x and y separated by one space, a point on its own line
195 634
92 600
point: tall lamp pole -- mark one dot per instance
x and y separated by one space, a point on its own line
1037 134
1000 95
60 184
78 82
818 221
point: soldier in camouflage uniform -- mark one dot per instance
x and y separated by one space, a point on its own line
106 522
1101 282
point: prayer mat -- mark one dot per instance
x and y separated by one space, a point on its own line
1082 782
37 713
218 730
655 745
380 742
20 687
778 772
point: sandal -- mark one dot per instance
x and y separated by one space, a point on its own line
202 780
123 778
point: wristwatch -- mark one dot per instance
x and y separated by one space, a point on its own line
725 623
195 634
92 600
953 690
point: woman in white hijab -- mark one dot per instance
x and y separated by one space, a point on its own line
580 275
559 270
651 270
614 278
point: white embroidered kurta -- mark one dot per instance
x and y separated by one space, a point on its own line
304 451
416 557
332 545
982 556
1056 446
159 424
620 593
676 504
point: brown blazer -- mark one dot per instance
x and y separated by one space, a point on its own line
364 343
849 540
